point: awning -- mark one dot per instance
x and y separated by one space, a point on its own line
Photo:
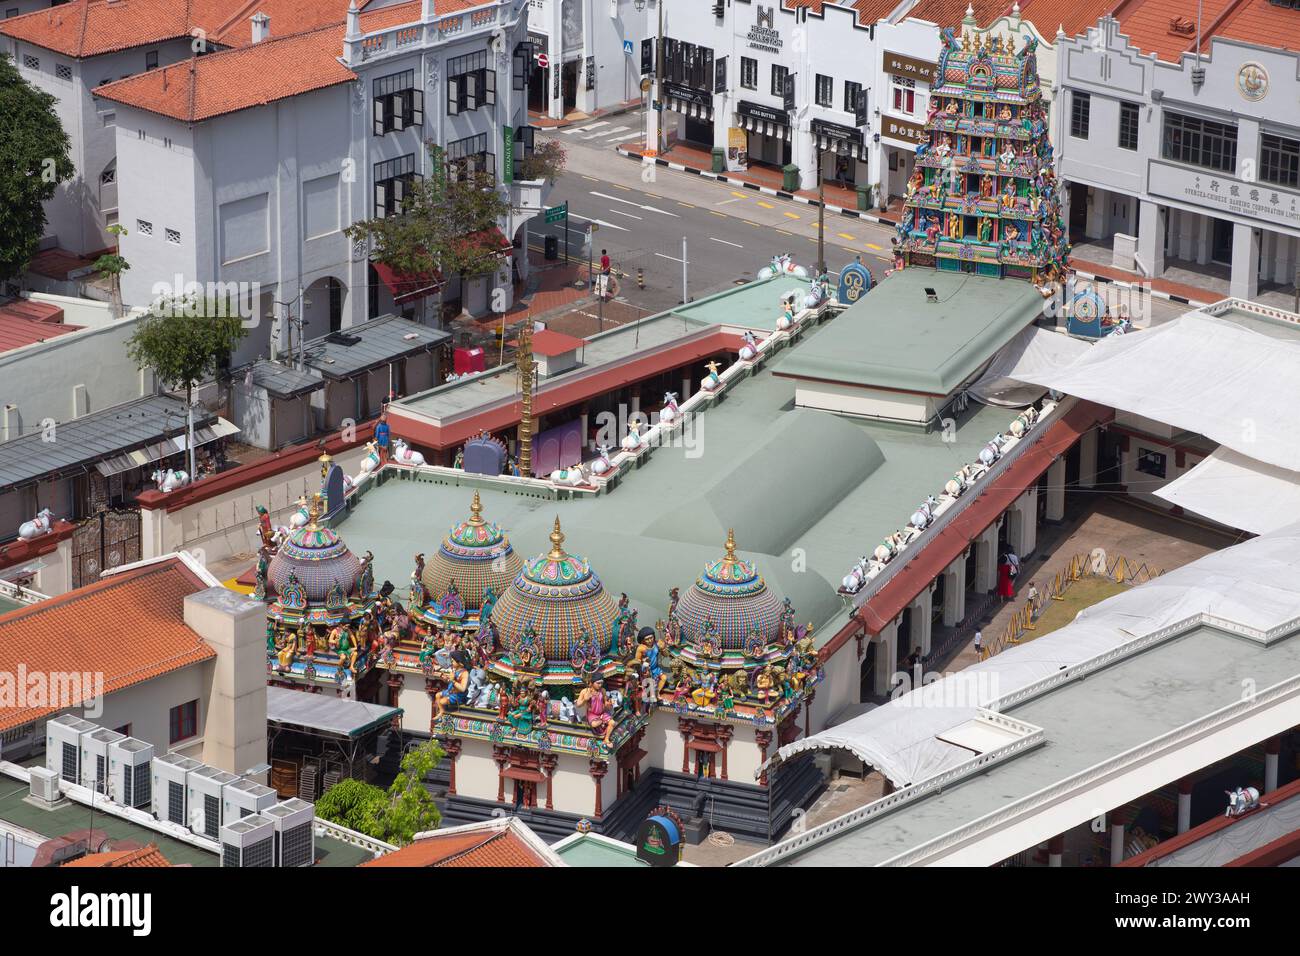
334 716
1237 491
406 287
833 144
687 108
143 457
526 774
765 127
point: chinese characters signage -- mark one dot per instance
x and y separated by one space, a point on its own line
907 66
900 129
1251 200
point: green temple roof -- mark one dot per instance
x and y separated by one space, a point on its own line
896 339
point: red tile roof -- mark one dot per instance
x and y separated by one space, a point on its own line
461 850
144 856
1258 22
252 75
950 13
549 342
20 326
128 626
1075 16
868 11
1166 28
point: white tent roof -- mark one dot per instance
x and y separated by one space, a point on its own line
1254 584
1237 491
1214 377
1041 352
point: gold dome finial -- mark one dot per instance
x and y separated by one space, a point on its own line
315 509
476 511
730 546
557 542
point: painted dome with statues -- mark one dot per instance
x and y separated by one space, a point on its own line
475 555
733 596
319 559
559 597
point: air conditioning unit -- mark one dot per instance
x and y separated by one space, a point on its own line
170 780
45 786
204 800
248 842
246 797
63 746
295 838
130 772
94 757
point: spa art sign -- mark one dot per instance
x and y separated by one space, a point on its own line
1251 200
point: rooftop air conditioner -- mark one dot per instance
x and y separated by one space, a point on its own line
245 797
94 757
129 772
203 797
295 839
45 786
170 780
248 842
63 746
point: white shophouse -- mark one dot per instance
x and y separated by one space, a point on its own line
1198 159
592 51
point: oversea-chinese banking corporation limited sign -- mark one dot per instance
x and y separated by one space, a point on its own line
1250 200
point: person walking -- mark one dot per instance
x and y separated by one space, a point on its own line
1013 559
979 644
1033 600
1006 590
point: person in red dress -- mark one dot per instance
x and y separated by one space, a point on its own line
1005 588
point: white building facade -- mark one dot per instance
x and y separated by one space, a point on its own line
1201 167
592 52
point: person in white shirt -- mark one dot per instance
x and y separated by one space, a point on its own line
979 644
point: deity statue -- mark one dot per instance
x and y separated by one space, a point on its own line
263 564
706 692
457 689
264 527
599 716
986 228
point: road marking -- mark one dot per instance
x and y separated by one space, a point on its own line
845 235
662 212
626 189
591 126
599 222
570 130
872 245
686 204
591 179
720 215
766 205
662 256
725 202
739 195
726 243
791 215
613 131
619 212
748 223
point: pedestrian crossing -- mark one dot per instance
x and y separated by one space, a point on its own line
601 132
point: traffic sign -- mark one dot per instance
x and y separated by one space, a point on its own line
627 47
543 60
558 213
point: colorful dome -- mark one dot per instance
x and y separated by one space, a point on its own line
475 555
560 596
733 595
320 560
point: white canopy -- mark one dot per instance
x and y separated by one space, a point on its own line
1218 378
1256 584
1237 491
1033 355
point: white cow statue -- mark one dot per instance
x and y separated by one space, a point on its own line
923 515
669 412
749 351
169 479
569 476
402 453
782 265
991 452
38 526
300 517
371 461
632 440
1241 800
1024 421
601 465
885 551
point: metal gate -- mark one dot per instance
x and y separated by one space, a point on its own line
105 540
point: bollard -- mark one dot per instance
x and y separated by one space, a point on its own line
640 277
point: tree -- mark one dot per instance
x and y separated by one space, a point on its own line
184 341
547 161
356 805
113 265
33 161
446 226
411 809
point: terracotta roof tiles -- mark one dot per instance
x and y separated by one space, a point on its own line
129 627
1075 16
145 856
950 13
495 843
1166 28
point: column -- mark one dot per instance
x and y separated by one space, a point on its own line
986 563
1245 262
684 728
1271 751
1184 804
452 747
548 763
1202 239
1056 490
886 650
1088 459
807 713
954 592
1151 237
598 770
764 739
1055 850
500 758
686 387
1024 536
1098 200
922 606
724 738
1116 837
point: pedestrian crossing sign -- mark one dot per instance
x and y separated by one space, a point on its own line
627 47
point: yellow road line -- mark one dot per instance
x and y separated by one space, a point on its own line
686 204
872 245
766 205
845 235
791 215
741 195
748 223
626 189
720 215
591 179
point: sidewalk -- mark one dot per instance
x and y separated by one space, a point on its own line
1189 295
539 120
764 179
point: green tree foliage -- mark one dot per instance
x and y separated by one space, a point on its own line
185 340
411 809
33 161
355 805
547 162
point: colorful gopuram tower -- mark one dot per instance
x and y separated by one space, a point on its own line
984 198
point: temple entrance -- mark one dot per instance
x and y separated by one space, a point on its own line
525 794
105 540
703 765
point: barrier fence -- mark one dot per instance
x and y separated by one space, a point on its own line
1095 565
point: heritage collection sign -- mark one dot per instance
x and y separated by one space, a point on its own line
899 65
1237 197
764 35
845 134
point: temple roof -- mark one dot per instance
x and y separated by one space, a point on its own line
475 555
319 559
732 596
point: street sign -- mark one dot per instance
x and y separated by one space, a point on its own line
543 60
507 154
558 213
627 47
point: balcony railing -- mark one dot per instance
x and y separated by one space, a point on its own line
401 37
